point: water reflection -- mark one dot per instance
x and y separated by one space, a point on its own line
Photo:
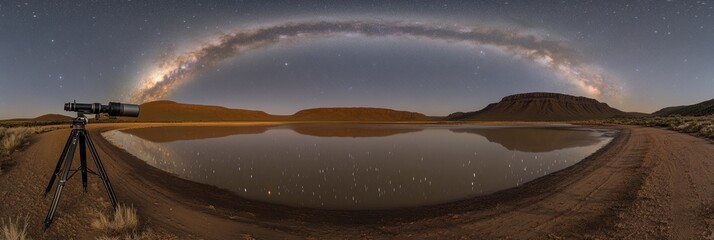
352 130
359 166
176 133
535 139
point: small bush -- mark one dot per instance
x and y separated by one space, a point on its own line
707 131
13 139
681 127
13 230
124 221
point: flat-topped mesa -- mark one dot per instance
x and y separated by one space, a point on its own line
550 97
541 106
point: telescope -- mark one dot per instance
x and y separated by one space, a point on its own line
114 109
80 138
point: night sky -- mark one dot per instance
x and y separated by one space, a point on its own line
434 57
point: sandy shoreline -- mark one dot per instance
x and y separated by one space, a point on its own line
649 183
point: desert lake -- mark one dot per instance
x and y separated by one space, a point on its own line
361 166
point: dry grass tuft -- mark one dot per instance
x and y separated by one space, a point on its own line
124 225
12 230
14 138
124 222
146 235
708 131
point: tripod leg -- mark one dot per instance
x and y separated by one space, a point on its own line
102 172
83 159
63 179
59 162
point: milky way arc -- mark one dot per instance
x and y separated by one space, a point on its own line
552 54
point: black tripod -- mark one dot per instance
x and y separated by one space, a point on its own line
79 135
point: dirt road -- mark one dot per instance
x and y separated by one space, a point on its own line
647 183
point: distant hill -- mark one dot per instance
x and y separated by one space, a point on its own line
699 109
541 106
179 112
357 114
169 111
43 118
538 106
52 117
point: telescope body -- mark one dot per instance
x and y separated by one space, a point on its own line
114 109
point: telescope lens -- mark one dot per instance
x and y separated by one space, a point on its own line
131 110
125 110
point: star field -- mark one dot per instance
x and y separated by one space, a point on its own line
657 53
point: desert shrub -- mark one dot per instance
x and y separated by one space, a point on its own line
13 139
12 229
33 130
680 127
702 126
707 131
698 125
671 123
123 222
42 129
694 126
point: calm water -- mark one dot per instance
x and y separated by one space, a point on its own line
360 166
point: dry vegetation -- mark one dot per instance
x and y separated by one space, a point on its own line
701 126
27 124
13 229
12 139
122 225
124 220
